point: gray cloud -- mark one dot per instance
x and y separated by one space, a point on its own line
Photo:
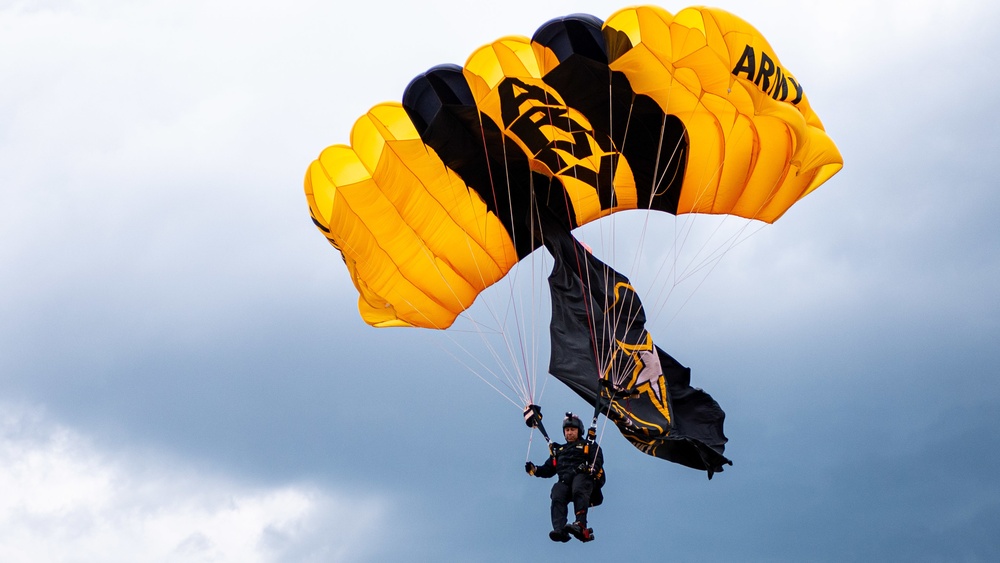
164 291
66 500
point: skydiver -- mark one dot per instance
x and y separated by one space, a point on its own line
579 463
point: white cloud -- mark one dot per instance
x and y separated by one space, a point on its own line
66 500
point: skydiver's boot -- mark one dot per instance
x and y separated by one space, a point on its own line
560 536
580 531
560 494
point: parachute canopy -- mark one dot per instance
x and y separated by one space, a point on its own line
435 198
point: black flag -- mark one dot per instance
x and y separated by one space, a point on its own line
601 350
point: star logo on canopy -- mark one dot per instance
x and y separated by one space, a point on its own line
651 371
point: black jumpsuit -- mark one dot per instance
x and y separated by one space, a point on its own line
572 462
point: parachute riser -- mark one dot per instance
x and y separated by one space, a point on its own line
533 419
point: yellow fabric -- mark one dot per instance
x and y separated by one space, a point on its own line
751 155
418 244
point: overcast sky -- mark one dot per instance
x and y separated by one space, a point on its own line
184 375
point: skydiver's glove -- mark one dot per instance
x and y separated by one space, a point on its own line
529 468
532 415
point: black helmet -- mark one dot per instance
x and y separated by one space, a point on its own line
573 421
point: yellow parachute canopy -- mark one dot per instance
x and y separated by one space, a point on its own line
436 198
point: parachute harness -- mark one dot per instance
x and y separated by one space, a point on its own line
533 420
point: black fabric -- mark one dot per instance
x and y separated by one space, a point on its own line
598 333
653 144
576 33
